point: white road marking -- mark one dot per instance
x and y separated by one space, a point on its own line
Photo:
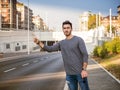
25 64
35 61
9 69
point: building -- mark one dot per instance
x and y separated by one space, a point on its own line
8 13
38 23
24 16
105 21
84 21
18 20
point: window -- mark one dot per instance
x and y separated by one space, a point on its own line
7 46
24 47
17 48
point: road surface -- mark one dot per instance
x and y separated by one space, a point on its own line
35 72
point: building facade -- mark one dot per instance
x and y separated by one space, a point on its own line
105 21
8 13
24 16
84 21
38 23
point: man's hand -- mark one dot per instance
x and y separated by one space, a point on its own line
36 40
84 73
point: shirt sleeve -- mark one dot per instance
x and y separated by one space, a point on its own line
52 48
83 50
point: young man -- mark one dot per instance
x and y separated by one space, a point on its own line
75 57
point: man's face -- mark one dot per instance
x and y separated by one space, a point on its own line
67 29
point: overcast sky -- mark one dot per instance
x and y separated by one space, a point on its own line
54 12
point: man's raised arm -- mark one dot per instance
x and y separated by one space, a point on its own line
38 42
52 48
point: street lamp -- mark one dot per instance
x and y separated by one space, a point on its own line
11 14
0 20
110 23
28 31
96 32
17 21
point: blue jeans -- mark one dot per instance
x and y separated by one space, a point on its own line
73 80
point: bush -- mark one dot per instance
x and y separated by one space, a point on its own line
109 47
100 51
95 51
116 45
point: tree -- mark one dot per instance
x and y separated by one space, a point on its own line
91 21
113 29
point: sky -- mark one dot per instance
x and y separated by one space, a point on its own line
54 12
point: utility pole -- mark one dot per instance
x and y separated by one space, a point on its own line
17 21
96 32
28 31
110 22
11 14
99 19
0 19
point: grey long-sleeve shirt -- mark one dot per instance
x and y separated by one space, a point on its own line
74 53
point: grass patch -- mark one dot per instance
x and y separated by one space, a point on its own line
112 64
114 69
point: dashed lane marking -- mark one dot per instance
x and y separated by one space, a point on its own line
25 64
9 70
35 61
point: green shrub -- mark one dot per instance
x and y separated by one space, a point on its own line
95 51
116 45
109 47
102 52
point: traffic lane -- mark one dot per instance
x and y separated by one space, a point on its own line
48 81
45 66
12 64
42 65
18 61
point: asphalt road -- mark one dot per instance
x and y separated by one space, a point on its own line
35 72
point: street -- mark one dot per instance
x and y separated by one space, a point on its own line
35 72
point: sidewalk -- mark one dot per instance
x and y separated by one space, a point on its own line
99 79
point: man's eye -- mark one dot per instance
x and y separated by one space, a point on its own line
66 27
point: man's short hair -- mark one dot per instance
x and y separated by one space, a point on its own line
67 22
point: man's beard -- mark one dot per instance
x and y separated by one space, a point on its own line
67 33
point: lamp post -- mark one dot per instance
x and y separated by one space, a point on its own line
28 31
0 20
11 14
110 24
17 21
99 19
96 32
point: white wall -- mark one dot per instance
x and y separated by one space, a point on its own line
20 37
